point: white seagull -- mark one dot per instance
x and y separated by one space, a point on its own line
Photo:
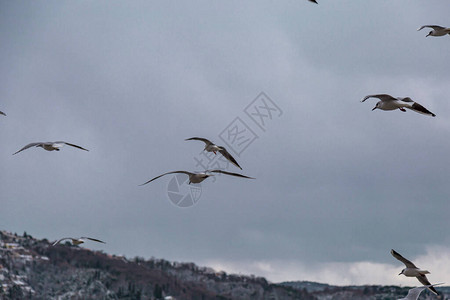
77 241
412 271
413 294
199 177
211 147
437 30
390 103
2 113
50 146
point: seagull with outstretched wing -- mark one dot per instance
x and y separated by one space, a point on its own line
50 146
437 30
77 241
199 177
211 147
412 271
413 294
387 102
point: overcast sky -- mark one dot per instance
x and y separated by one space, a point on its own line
337 185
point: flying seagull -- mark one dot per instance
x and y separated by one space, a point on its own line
390 103
199 177
2 113
413 294
211 147
50 146
77 241
437 30
412 271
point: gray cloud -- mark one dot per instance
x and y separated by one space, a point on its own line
336 183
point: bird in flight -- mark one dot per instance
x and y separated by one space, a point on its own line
412 271
437 30
313 1
2 113
413 294
390 103
77 241
50 146
211 147
199 177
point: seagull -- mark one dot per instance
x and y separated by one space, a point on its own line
313 1
413 294
2 113
412 271
437 30
199 177
211 147
77 241
390 103
50 146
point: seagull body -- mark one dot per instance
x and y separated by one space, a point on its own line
211 147
412 271
2 113
50 146
77 241
413 294
199 177
387 102
437 30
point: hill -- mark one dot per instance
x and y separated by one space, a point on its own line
34 269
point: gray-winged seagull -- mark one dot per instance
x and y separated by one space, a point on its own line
211 147
199 177
77 241
50 146
413 294
412 271
437 30
390 103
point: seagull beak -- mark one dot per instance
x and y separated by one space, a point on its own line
374 108
400 274
428 34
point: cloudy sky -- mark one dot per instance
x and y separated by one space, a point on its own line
337 185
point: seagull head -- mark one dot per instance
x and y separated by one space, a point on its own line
429 33
378 105
401 272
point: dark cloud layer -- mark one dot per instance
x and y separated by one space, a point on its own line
131 80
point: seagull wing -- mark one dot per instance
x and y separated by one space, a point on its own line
206 141
407 263
228 156
183 172
414 293
229 173
69 144
95 240
405 99
28 146
2 113
424 280
60 240
435 27
382 97
420 109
